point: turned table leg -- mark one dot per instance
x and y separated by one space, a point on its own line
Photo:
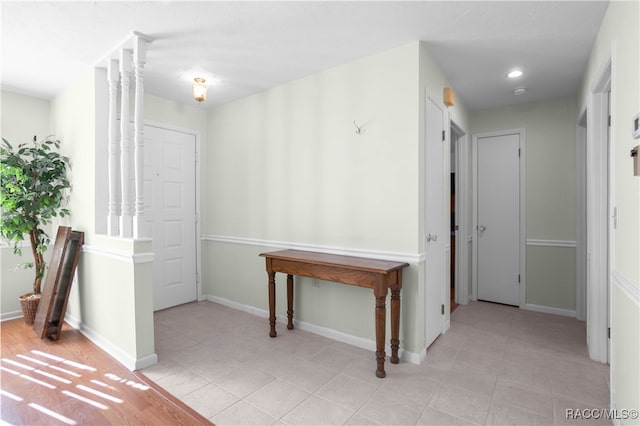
272 304
380 331
395 323
290 301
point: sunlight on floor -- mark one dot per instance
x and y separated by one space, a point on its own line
38 367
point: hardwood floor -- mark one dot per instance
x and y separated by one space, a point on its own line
72 381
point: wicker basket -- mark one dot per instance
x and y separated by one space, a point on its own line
29 308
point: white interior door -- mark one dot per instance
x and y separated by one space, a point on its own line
170 214
436 225
498 218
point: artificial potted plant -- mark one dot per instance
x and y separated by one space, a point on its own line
33 184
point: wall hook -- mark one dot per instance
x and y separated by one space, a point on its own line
358 128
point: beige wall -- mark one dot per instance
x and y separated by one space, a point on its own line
295 170
551 191
619 39
22 118
286 165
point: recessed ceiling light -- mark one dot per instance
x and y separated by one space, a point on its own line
519 90
515 74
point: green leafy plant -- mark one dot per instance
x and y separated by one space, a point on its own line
33 184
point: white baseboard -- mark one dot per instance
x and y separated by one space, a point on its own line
407 356
117 353
550 310
6 316
123 358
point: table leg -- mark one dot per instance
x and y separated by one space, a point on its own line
395 323
272 304
290 301
381 315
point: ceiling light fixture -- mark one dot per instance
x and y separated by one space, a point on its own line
515 74
519 90
199 89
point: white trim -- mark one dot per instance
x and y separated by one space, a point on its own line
599 240
581 216
550 310
373 254
523 208
410 357
133 258
625 286
617 421
551 243
114 351
6 316
461 206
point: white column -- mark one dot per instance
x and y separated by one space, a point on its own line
126 216
112 205
139 59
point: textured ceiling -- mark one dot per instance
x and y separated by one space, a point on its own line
252 46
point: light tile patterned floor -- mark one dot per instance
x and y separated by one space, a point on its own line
496 365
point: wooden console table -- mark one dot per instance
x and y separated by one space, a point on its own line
379 275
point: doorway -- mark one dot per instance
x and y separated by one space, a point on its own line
498 212
170 214
459 281
601 215
436 211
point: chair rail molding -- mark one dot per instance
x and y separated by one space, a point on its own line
625 286
412 258
551 243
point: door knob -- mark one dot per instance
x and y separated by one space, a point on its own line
482 228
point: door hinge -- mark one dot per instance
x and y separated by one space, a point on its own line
443 136
609 121
518 152
518 277
609 333
442 309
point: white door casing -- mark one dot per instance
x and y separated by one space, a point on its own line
498 243
170 214
458 136
581 218
436 220
600 212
